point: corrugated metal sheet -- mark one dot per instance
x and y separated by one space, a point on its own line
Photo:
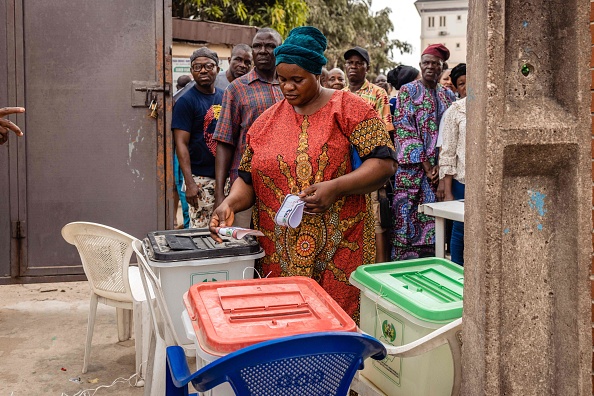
212 32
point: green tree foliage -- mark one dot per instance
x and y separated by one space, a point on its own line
347 23
281 15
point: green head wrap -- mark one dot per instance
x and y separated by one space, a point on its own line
305 48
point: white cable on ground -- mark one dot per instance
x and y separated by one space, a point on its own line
120 380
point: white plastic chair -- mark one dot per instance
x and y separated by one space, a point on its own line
164 333
105 253
450 334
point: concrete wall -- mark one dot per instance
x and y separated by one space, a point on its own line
528 290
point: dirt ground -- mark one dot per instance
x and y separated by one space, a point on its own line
42 336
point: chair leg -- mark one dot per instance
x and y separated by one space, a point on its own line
147 330
149 379
124 323
130 321
139 341
159 359
90 327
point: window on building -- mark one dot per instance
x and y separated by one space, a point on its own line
431 21
459 17
457 45
442 21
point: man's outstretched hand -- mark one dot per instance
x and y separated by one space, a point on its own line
7 125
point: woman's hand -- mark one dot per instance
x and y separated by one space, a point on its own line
241 197
440 193
223 216
319 197
447 187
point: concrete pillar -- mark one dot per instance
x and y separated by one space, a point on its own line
526 326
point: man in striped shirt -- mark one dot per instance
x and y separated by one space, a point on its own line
243 101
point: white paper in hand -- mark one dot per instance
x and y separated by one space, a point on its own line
237 232
290 212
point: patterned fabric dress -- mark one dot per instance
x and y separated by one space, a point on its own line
417 114
287 152
378 99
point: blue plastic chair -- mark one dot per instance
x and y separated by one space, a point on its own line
306 364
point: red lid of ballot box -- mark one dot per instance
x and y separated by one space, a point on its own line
231 315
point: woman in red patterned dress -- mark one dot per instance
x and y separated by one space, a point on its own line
302 146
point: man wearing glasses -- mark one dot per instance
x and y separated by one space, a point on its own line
195 116
357 66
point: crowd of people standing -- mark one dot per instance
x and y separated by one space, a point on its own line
360 155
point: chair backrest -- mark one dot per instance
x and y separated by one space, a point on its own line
307 364
162 322
105 254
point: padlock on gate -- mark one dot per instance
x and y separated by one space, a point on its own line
154 106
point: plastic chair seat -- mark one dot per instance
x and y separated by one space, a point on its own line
138 293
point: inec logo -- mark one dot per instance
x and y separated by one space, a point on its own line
388 331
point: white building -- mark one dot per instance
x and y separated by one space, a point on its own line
444 21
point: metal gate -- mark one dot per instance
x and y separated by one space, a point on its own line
85 71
